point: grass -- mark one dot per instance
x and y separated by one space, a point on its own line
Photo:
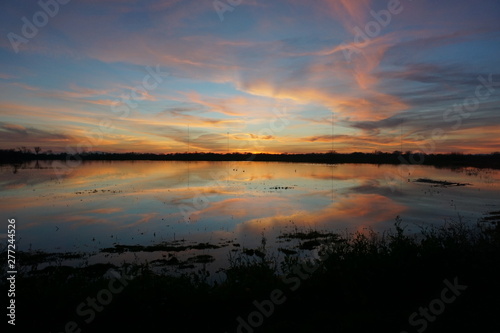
364 282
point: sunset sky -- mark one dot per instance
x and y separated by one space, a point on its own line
250 75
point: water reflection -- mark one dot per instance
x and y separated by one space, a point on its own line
99 204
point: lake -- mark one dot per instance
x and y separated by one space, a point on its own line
100 204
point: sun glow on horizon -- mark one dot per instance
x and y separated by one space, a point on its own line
311 80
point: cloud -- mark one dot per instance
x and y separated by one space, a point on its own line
5 76
228 76
22 136
356 211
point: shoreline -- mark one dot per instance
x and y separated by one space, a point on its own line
451 160
372 282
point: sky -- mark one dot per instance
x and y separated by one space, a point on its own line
280 76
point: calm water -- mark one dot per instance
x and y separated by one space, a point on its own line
98 204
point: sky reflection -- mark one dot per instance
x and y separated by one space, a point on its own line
99 204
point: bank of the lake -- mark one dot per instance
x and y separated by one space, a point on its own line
444 279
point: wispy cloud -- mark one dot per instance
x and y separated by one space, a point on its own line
228 76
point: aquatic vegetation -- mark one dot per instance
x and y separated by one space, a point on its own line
360 282
165 246
442 183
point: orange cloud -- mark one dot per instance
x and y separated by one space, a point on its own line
355 211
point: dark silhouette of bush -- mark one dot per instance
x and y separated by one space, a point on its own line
438 160
365 282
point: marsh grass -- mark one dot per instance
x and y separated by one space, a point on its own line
366 282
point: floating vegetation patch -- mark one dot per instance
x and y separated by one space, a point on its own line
97 270
173 261
254 252
124 248
97 191
205 246
38 257
309 240
282 188
310 244
492 217
94 271
287 251
55 271
166 262
70 255
169 247
439 182
313 234
201 259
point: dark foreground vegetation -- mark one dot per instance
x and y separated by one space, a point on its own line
396 157
442 280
